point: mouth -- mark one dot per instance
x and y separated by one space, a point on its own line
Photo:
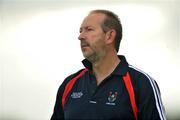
84 45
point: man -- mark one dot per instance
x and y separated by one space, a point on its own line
108 87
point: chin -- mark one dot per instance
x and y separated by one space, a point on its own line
86 55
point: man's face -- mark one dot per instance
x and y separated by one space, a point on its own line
92 37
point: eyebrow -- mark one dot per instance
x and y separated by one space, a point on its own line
86 27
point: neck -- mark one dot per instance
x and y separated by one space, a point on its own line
105 66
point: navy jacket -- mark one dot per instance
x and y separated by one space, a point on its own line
110 99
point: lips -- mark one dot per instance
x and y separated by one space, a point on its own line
84 45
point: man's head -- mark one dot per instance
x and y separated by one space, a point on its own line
100 32
111 21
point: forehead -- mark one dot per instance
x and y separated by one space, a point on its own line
93 19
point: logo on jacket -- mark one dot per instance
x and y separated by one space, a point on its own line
111 98
76 94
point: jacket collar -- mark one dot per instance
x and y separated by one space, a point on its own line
121 68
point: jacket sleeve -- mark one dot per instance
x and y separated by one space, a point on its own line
58 113
149 104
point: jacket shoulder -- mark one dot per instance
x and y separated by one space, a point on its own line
67 79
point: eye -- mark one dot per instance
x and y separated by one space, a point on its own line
89 29
80 31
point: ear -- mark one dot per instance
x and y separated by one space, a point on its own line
110 36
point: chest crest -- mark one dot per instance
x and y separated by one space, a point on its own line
111 98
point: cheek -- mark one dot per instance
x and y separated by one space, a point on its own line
98 45
96 40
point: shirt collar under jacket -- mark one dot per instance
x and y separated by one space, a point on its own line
121 68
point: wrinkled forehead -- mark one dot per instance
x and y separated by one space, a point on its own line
93 19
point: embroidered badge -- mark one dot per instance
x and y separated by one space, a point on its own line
111 98
76 94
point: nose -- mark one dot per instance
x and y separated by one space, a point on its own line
81 36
